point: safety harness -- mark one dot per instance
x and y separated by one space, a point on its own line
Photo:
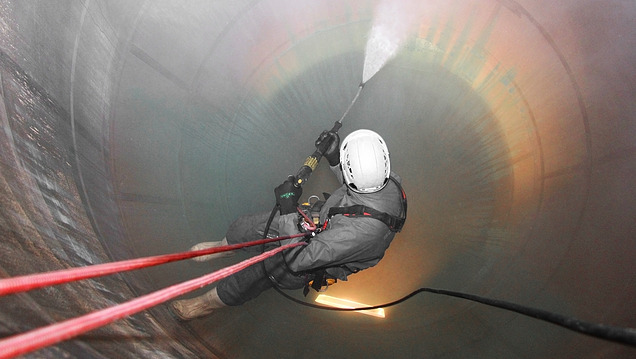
394 223
320 277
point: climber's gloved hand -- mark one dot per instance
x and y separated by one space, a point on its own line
287 196
328 144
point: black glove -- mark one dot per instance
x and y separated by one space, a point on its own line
328 144
287 196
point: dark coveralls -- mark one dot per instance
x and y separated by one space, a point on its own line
347 246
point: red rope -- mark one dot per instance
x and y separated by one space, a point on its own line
54 333
33 281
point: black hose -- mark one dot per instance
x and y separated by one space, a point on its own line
612 333
265 232
602 331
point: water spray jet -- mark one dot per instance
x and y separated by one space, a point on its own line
391 26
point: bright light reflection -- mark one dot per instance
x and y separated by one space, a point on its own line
344 303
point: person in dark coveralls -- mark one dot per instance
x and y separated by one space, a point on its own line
355 237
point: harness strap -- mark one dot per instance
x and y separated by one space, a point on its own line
394 223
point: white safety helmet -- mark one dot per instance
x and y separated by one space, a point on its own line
364 158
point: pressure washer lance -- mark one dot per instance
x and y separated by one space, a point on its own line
312 161
355 98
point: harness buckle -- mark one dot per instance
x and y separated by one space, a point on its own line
320 282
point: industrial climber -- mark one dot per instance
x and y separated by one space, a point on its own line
359 221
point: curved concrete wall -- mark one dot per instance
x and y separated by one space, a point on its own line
139 128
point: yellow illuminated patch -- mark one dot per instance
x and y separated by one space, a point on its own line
348 304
